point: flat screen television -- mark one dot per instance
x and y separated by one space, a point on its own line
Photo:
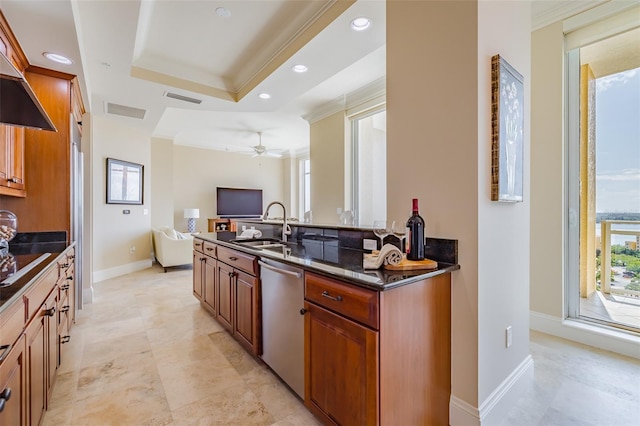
239 202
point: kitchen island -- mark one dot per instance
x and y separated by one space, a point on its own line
376 344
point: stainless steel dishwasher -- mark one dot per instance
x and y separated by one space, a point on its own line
282 323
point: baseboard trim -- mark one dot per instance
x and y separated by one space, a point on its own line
495 408
105 274
589 334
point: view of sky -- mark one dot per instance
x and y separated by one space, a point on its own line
618 142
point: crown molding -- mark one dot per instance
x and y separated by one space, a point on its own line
544 12
359 100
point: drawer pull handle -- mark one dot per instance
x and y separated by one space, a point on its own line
65 287
328 296
64 265
65 339
233 258
65 308
209 248
5 351
303 311
69 278
4 396
203 258
50 312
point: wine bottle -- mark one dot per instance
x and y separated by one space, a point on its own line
415 234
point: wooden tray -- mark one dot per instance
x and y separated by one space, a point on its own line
409 265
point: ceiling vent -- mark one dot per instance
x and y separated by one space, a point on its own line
182 98
125 111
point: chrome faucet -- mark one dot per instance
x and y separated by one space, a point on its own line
285 228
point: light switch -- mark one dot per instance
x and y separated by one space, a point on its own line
126 211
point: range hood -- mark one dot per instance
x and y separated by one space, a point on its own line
18 104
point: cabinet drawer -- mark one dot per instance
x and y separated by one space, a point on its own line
11 324
36 295
198 245
209 249
239 260
354 302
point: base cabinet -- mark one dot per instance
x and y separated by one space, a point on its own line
226 283
342 368
13 390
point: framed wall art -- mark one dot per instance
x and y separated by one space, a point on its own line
507 133
124 182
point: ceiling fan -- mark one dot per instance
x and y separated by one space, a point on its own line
261 150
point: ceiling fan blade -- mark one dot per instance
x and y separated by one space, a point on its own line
272 154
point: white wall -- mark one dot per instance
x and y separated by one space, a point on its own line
439 150
327 154
197 172
114 233
503 231
161 182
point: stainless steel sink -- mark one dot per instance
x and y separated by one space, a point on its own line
259 243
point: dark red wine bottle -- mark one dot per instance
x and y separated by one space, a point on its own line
415 234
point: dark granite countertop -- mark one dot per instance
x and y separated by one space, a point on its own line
23 250
328 258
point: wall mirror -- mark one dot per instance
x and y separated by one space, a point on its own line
124 182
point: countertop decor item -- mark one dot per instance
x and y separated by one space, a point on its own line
412 265
507 134
191 215
389 255
8 229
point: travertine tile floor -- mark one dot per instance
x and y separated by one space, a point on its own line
145 353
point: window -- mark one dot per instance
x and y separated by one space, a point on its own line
603 282
369 168
305 185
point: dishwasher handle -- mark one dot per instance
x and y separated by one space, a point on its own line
280 271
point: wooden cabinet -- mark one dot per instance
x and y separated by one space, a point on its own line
13 390
198 269
229 290
12 159
28 366
12 179
378 358
341 369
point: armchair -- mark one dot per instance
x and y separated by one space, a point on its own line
172 248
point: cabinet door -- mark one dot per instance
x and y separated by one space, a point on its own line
341 368
16 158
210 297
4 154
198 260
36 360
226 283
246 324
52 354
12 383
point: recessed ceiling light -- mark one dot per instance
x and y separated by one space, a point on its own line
57 58
264 96
299 68
222 12
360 24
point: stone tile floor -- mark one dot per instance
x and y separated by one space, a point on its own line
146 353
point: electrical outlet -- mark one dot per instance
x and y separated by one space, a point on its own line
132 249
368 244
508 337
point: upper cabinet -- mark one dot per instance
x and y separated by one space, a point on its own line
12 177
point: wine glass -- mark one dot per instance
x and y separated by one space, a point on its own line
399 230
381 230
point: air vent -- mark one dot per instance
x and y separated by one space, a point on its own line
125 111
182 98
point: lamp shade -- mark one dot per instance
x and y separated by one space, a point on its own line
191 213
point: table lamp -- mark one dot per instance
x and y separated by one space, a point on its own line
192 215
